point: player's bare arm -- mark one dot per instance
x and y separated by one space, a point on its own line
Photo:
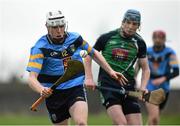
102 62
36 86
143 62
89 82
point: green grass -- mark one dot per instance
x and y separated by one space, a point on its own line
166 119
99 119
24 120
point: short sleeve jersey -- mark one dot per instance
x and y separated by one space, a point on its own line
160 64
121 53
50 60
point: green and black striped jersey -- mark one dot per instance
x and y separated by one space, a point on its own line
121 53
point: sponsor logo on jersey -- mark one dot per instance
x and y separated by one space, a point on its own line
120 54
53 54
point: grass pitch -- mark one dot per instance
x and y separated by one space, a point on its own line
99 119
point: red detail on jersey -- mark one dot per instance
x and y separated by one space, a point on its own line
120 54
65 62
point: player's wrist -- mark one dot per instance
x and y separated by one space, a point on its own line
111 72
143 87
88 77
165 78
42 89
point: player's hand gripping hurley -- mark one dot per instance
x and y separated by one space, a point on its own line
74 67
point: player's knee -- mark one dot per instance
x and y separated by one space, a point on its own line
120 122
81 122
154 120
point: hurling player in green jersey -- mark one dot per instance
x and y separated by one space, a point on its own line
121 48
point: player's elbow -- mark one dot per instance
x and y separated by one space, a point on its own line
30 81
31 78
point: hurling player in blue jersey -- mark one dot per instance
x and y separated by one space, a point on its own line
48 61
164 67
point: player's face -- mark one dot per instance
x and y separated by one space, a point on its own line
57 32
129 27
158 40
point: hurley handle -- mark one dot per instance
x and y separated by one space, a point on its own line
37 103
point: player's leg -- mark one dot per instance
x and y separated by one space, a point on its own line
116 114
154 111
58 106
79 112
153 114
131 109
134 119
112 102
78 107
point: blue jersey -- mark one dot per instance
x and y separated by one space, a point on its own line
160 64
50 60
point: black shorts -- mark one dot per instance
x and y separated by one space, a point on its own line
162 105
60 101
129 105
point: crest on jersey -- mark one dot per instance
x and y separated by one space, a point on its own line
72 48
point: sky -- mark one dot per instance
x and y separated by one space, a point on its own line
22 23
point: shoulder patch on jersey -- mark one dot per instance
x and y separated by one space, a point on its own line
73 34
41 42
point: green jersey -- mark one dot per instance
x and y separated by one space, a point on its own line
121 53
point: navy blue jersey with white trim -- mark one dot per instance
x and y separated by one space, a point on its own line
50 60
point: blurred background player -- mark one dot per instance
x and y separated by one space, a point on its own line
121 48
164 66
48 61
